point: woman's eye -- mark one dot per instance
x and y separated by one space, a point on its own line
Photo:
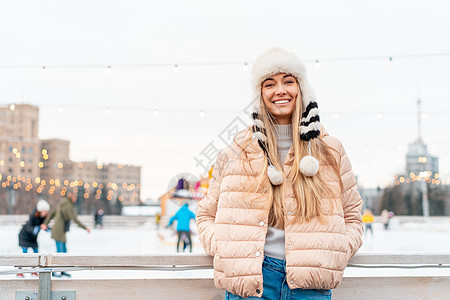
268 85
289 81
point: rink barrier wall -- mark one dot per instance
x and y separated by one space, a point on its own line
132 221
368 287
108 220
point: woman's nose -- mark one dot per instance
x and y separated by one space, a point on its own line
280 90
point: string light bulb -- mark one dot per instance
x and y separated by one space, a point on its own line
390 60
108 70
44 70
60 108
317 64
176 68
156 112
202 114
245 67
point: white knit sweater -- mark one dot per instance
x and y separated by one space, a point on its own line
274 246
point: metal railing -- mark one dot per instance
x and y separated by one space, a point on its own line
371 287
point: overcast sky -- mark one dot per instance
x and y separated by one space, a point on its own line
211 41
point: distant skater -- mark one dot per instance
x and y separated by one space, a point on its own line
30 230
183 217
368 219
63 214
98 219
385 218
157 220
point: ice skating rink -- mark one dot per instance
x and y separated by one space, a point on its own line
428 237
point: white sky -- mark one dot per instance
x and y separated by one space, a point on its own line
101 33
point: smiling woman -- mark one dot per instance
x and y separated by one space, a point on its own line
277 220
279 93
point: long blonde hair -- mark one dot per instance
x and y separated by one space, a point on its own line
308 191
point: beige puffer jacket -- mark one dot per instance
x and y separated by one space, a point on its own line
232 223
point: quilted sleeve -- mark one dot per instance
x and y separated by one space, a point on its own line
207 208
351 203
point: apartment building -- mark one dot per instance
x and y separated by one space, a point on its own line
19 142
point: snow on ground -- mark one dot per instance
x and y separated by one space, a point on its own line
146 239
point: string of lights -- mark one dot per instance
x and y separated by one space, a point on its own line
245 64
422 176
62 185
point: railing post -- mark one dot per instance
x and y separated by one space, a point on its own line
45 286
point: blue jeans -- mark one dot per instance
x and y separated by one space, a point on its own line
276 287
60 247
25 250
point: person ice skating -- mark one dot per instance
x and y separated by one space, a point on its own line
29 233
385 219
368 219
183 218
282 216
157 220
63 214
30 230
98 219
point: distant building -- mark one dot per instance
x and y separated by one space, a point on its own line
19 142
419 160
125 181
54 155
422 190
121 181
29 165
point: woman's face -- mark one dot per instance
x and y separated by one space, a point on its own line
279 93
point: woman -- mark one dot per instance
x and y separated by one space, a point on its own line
282 216
30 230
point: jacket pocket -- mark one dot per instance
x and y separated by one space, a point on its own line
217 263
213 242
349 249
213 246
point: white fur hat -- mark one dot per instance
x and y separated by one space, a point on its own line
272 62
42 205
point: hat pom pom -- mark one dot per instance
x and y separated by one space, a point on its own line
309 166
275 176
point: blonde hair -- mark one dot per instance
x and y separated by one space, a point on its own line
308 191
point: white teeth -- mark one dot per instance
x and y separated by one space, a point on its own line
281 101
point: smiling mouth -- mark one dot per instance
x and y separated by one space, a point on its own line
284 101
